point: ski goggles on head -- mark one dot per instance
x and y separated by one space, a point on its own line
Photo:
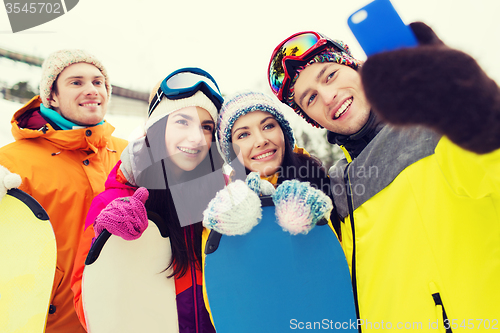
184 83
293 52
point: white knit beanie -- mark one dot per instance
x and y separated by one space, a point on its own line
58 61
168 106
164 108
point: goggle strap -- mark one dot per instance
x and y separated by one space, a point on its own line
201 77
155 101
303 60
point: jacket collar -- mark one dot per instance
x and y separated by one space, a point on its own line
355 143
27 123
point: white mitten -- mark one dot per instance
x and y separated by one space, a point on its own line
258 185
8 180
235 210
300 206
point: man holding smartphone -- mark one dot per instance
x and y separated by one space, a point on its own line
421 178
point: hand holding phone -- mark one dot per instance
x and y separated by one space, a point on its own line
378 27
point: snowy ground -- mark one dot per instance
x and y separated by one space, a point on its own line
7 109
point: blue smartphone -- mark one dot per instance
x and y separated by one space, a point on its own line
378 27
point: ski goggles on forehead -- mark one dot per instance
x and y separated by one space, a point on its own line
185 83
295 51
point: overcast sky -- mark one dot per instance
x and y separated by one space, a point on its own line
140 42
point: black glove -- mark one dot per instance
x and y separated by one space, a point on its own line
438 87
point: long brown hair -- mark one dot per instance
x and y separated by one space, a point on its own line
185 238
296 166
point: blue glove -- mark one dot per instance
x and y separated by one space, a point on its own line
299 206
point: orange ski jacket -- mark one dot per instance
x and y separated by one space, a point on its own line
63 170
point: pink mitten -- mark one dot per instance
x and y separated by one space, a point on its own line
125 217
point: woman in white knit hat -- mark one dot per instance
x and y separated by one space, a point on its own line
256 140
174 164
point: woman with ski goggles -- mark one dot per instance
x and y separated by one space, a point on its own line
184 83
173 171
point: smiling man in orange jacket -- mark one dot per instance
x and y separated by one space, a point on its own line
63 152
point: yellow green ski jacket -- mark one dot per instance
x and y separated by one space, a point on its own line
421 232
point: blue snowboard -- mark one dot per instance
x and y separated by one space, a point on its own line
271 281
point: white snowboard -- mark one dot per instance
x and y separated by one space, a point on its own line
126 288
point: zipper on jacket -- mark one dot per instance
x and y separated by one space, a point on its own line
446 323
193 276
43 129
353 260
195 287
